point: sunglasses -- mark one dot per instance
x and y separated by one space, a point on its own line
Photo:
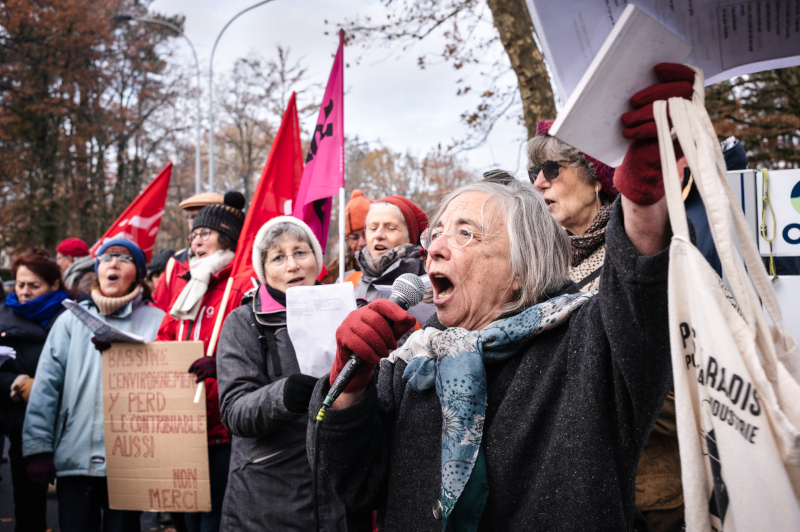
549 169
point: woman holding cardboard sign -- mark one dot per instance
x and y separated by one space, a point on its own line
63 433
264 397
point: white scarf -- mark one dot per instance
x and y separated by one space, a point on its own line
187 305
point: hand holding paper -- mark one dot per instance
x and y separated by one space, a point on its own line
639 178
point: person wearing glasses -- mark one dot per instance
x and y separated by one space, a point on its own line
63 434
393 227
194 311
524 403
578 191
191 207
264 397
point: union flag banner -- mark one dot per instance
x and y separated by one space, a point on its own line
141 220
323 175
275 191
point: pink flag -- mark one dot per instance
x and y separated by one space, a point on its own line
323 175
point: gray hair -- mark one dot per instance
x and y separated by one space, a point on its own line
546 148
276 232
539 248
393 206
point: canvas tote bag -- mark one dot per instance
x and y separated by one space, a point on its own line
736 377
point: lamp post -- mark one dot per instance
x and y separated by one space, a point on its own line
211 95
176 29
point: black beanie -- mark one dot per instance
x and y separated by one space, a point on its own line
227 217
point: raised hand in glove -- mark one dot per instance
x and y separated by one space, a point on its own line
205 368
41 468
366 334
639 177
297 392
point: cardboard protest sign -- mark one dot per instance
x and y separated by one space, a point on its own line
156 447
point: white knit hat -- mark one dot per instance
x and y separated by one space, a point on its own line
260 249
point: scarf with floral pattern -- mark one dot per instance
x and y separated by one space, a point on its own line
594 237
453 361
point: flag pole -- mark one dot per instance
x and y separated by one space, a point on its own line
201 386
341 235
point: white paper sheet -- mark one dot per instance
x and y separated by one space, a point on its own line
728 37
6 354
421 312
624 65
313 313
102 330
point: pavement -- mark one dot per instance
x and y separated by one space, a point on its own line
149 520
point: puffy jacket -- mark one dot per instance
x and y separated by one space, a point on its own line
27 339
163 294
65 409
269 484
201 329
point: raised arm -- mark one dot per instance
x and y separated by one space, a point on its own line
639 179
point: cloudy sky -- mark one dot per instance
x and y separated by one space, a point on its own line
388 98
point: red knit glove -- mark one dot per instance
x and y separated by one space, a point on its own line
205 367
366 334
639 177
41 468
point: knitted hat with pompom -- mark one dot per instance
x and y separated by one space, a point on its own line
226 217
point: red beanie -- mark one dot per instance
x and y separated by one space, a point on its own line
73 247
416 219
605 174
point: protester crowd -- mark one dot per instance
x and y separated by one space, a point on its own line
538 381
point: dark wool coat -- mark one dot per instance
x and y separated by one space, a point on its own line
269 483
27 339
565 424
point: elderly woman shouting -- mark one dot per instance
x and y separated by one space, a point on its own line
524 404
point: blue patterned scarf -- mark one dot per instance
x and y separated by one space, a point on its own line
38 310
453 361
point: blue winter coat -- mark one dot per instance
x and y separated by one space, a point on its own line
65 408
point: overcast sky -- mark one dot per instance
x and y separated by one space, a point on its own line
387 98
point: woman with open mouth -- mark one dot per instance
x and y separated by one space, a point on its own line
63 434
196 293
264 397
524 404
393 227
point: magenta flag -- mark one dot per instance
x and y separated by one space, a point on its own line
323 174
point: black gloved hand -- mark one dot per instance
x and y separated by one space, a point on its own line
205 368
100 346
41 468
297 392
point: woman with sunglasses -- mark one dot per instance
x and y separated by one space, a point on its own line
196 295
578 191
63 433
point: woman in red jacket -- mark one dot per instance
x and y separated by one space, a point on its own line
196 295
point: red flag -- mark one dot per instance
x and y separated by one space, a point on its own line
276 189
323 175
142 218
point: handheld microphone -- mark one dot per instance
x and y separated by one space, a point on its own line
407 291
